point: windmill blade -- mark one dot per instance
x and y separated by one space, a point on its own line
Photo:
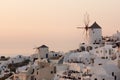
35 48
84 32
86 35
81 27
86 28
86 19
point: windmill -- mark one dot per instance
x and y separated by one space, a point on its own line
86 27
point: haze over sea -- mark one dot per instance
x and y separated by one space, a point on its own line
25 24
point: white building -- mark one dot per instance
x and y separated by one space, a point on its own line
43 51
95 34
116 36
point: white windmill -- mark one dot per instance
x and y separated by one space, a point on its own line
93 33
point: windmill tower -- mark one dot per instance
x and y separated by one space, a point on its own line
93 32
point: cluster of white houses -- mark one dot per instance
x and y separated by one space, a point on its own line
99 59
44 67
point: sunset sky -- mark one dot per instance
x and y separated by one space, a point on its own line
25 24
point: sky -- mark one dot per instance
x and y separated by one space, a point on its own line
25 24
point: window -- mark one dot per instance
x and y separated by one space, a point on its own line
37 72
112 73
55 54
96 47
32 77
51 72
89 48
106 57
110 51
32 71
12 62
95 41
82 48
115 77
19 56
100 64
54 69
97 51
105 51
42 66
95 79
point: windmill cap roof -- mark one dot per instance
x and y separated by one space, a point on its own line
43 46
95 25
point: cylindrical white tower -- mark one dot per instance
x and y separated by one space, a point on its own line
95 34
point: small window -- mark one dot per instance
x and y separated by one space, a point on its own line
51 72
89 48
37 72
97 51
19 56
32 77
115 77
54 69
99 40
95 79
95 41
82 48
56 55
105 51
32 71
100 64
96 47
42 66
112 73
110 51
106 57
